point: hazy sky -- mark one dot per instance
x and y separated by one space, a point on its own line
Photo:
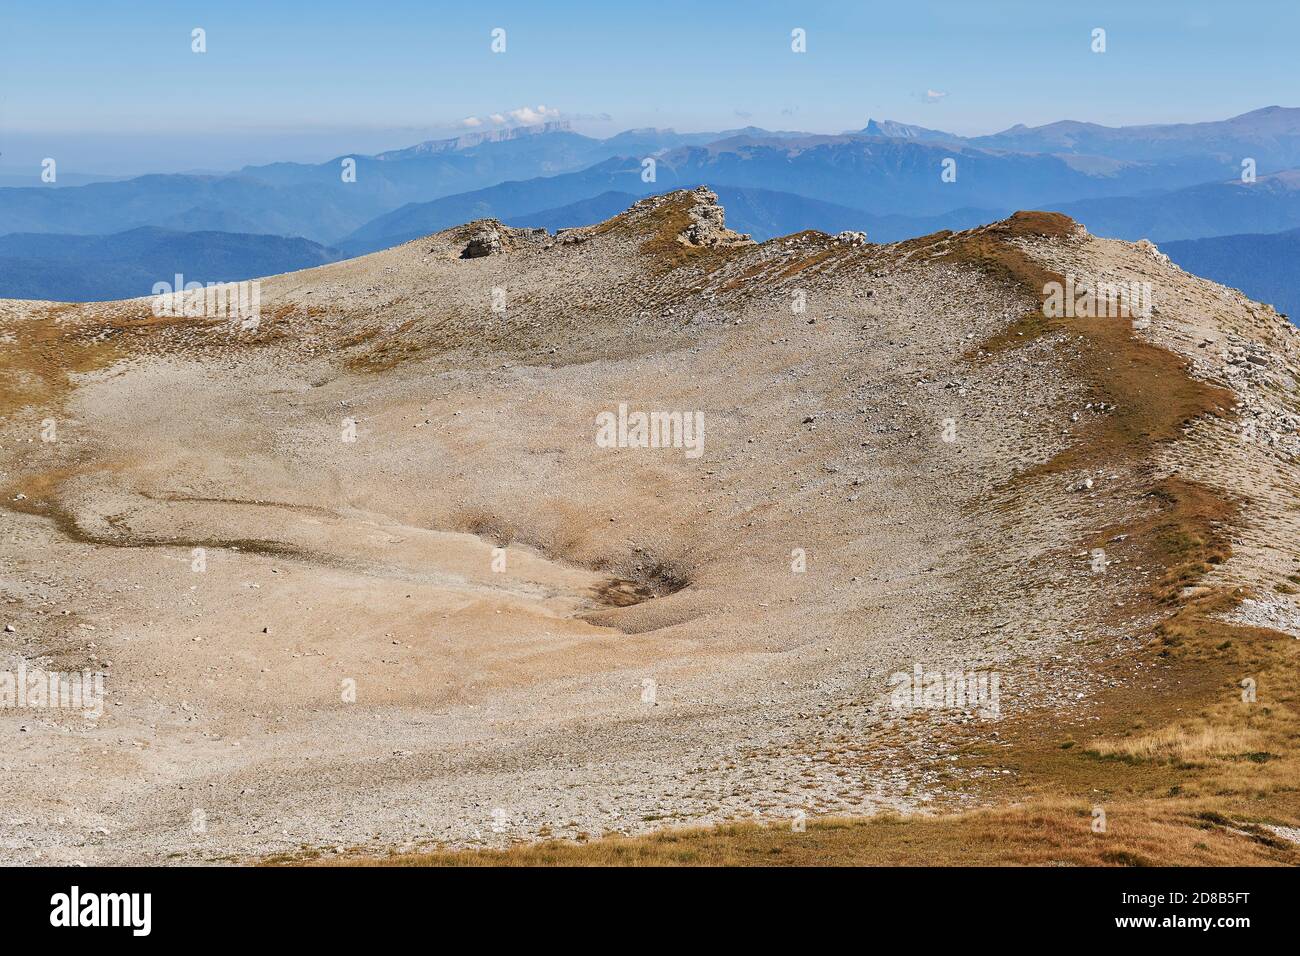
114 86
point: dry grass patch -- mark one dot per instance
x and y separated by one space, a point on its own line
1053 833
1186 744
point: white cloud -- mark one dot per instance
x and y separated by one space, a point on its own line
527 116
934 96
523 116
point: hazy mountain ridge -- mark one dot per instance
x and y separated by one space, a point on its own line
1262 266
896 130
127 264
1270 136
1271 204
313 211
895 173
1162 182
885 176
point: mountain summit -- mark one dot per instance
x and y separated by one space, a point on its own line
894 130
470 140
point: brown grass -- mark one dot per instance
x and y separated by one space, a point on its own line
1181 743
1053 833
660 232
48 348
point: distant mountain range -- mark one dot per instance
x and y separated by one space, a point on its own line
880 177
1270 136
31 176
1169 182
127 264
1263 267
192 202
1271 204
888 168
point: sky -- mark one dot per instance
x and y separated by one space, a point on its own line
115 87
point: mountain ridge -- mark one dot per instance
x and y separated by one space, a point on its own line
899 463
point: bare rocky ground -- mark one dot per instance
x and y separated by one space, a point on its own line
641 653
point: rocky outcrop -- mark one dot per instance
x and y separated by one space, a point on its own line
1149 248
485 242
708 225
488 237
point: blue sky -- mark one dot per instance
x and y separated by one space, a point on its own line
114 87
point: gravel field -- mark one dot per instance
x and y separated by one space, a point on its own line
363 575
